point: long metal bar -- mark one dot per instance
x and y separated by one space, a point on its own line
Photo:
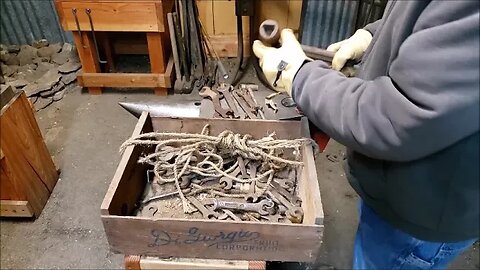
88 12
173 41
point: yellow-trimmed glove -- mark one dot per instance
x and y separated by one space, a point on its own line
290 56
352 48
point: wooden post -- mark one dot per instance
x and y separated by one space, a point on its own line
88 57
157 58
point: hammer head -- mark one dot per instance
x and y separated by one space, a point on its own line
269 32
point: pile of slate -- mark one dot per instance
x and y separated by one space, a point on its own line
44 71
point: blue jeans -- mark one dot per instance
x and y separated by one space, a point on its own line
380 246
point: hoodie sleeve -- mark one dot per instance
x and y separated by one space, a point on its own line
372 27
429 101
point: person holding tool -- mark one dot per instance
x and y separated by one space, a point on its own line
410 121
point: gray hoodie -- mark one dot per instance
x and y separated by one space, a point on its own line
411 118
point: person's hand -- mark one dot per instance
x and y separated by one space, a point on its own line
352 48
290 54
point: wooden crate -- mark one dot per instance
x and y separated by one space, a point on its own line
210 239
27 172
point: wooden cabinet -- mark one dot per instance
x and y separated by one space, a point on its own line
27 172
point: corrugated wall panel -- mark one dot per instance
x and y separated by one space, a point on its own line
327 21
23 21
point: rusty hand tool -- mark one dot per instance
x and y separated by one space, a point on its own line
293 213
164 195
208 92
228 214
225 90
249 88
269 34
284 183
272 105
293 199
206 212
244 105
261 207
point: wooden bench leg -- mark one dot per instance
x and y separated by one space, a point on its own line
88 57
158 62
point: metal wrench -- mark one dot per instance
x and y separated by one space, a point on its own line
293 199
206 213
294 213
229 214
208 92
243 104
225 90
284 183
261 207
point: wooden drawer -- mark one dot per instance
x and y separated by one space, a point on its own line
121 16
211 239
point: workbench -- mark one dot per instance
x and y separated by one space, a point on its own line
92 21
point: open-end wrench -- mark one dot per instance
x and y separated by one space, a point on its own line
228 214
206 213
249 98
225 90
208 92
243 104
293 213
164 195
270 104
284 183
276 218
293 199
262 207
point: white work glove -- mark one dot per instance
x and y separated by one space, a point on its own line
269 58
352 48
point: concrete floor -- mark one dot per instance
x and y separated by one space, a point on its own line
83 134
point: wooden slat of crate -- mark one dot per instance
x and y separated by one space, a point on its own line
166 237
28 172
15 209
150 263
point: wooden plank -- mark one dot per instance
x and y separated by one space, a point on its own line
28 163
130 47
150 263
88 57
10 208
309 188
224 19
135 80
226 45
275 10
294 14
205 12
113 16
213 239
156 52
127 163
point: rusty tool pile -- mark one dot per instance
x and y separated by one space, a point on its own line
239 102
229 176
